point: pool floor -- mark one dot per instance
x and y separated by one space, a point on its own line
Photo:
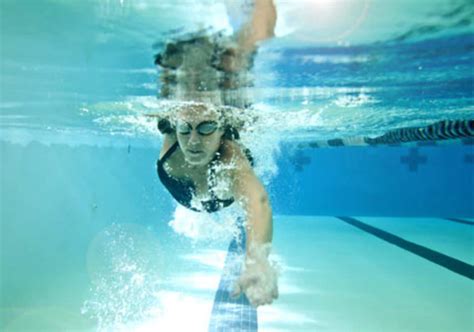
334 277
341 278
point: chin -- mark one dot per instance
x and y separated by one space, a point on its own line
194 161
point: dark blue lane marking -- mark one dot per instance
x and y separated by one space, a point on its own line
466 222
450 263
232 314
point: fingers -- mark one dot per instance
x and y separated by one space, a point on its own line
275 293
258 301
259 283
237 290
248 280
244 282
259 294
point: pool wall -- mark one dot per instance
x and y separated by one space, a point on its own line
400 181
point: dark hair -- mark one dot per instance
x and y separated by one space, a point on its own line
165 126
171 50
176 49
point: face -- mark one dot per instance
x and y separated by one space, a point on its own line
199 134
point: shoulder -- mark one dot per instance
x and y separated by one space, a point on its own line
168 141
245 183
233 154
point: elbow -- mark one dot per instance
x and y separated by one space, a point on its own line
265 202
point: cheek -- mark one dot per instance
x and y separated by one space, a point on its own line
218 138
213 142
182 139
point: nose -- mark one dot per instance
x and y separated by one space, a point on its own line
194 138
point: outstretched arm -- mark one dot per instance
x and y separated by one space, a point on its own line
252 196
259 277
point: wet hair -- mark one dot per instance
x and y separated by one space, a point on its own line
221 48
171 49
176 49
165 126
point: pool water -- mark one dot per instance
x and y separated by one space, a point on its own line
373 238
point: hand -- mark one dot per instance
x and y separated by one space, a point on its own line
258 281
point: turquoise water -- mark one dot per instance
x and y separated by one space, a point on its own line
85 237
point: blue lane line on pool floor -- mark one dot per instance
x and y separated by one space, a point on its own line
461 221
232 314
448 262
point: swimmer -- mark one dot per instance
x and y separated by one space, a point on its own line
227 55
205 168
202 163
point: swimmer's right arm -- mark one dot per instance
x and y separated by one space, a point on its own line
260 26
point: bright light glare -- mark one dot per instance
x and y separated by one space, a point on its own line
326 4
329 20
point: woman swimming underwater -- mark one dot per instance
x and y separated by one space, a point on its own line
205 168
202 163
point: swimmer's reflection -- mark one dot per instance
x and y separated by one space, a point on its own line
202 163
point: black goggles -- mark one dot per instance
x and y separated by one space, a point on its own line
204 128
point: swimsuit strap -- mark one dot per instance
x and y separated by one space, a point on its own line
182 190
169 152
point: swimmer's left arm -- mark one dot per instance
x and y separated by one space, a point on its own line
252 196
258 279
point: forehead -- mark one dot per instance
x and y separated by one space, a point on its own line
197 113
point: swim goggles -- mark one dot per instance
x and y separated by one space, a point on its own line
204 128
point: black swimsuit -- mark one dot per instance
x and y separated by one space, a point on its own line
183 190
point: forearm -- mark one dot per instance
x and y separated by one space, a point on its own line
260 26
259 278
253 198
259 224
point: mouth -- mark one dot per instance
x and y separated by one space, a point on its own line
195 152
